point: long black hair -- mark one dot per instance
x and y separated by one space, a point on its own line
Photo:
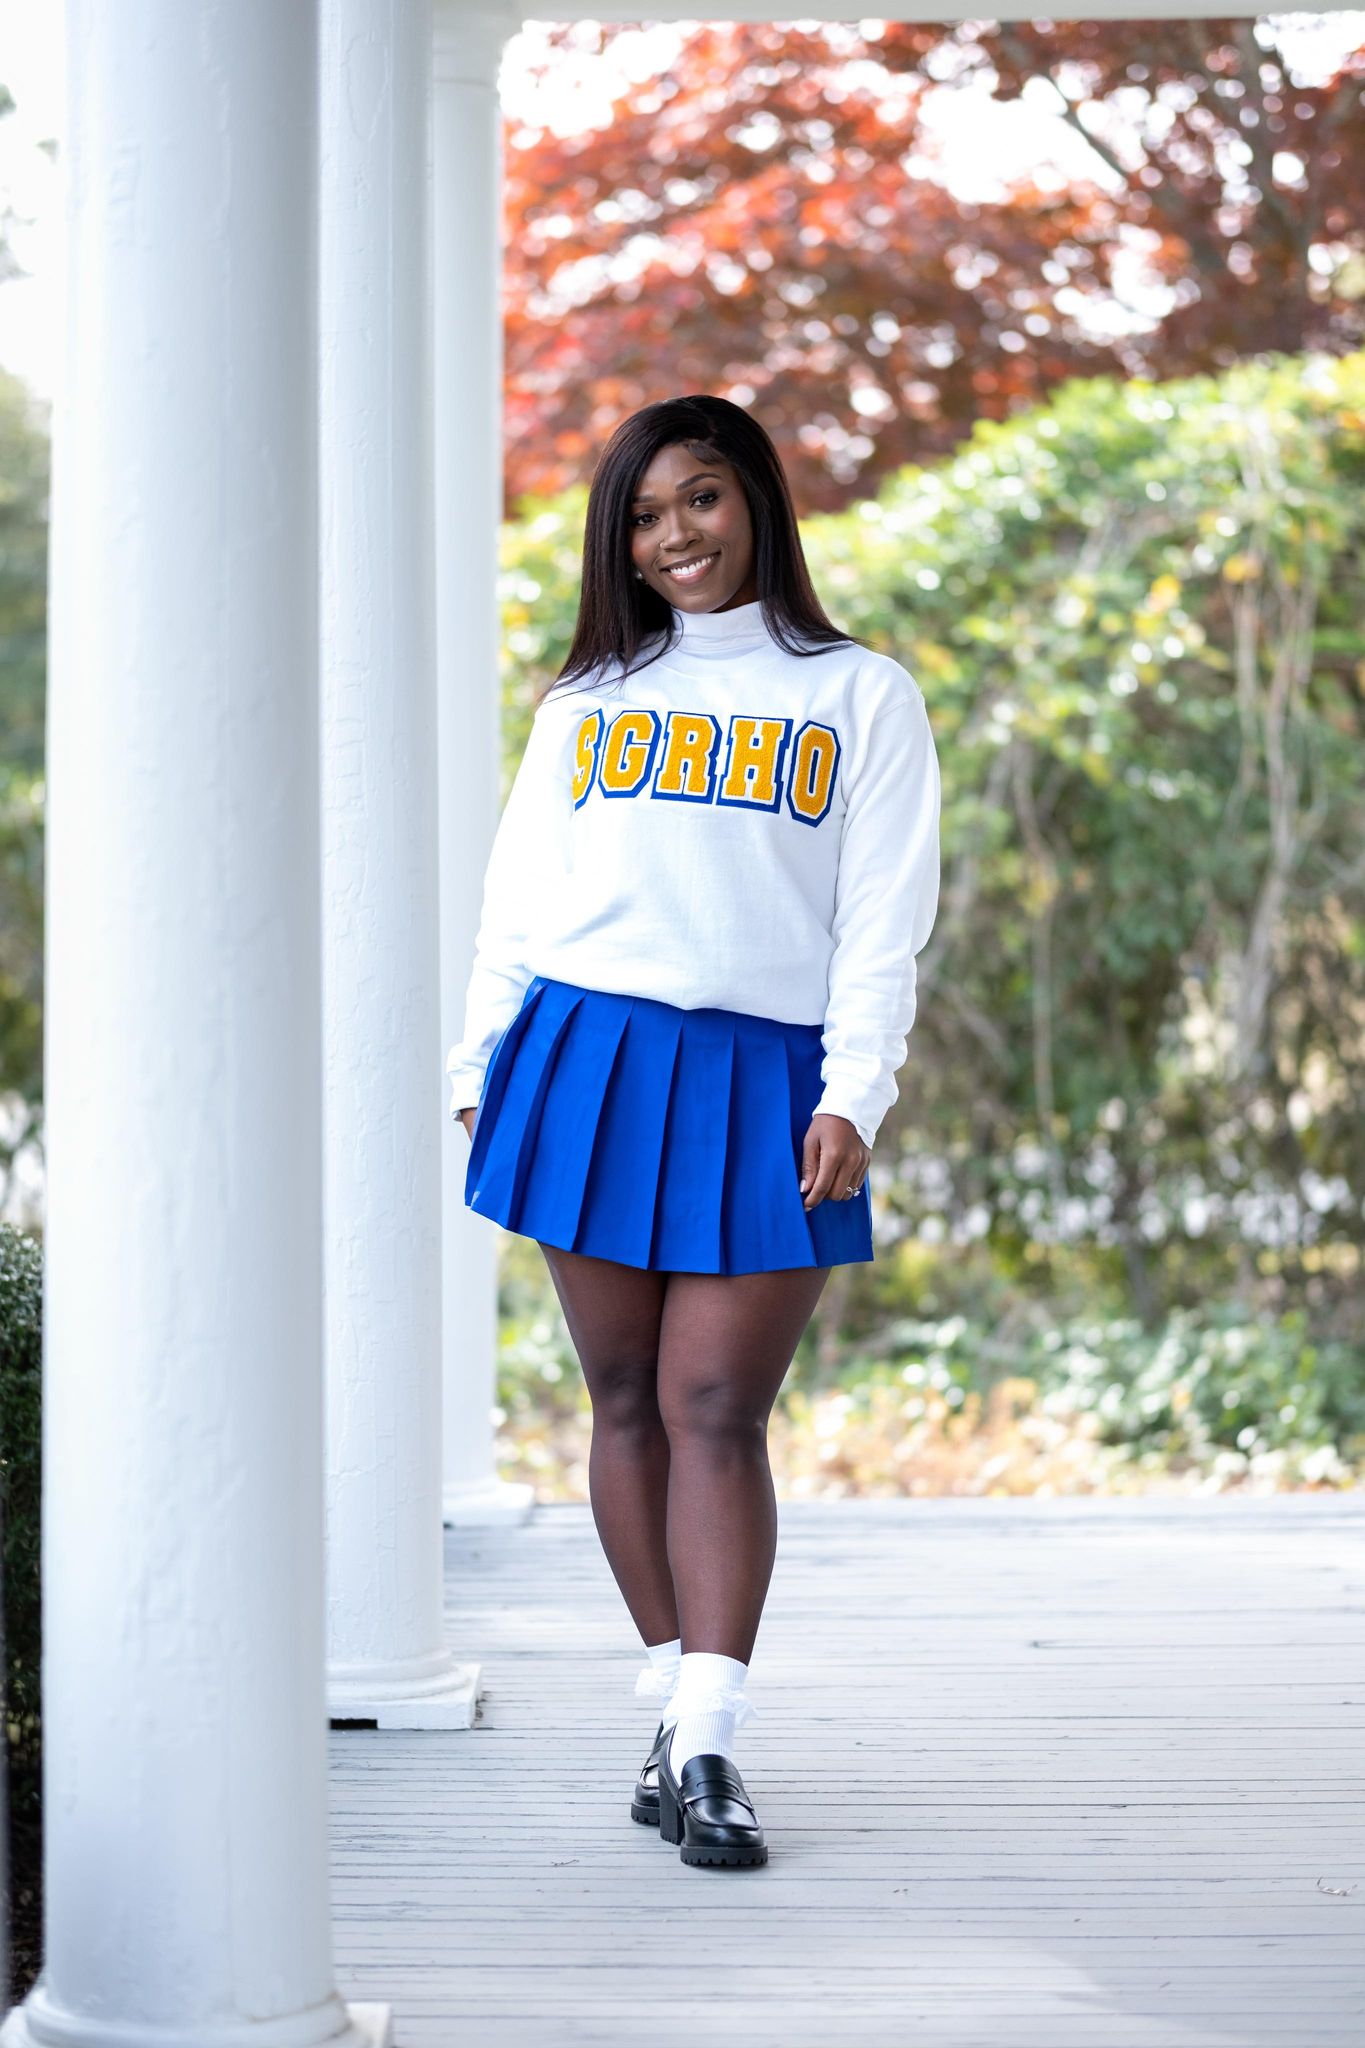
617 613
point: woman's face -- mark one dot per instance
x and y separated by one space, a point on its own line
691 509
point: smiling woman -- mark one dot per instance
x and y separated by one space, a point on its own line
691 535
693 983
690 514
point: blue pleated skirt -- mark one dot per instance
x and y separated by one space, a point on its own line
663 1138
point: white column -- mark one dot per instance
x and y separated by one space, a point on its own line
469 41
184 1703
388 1661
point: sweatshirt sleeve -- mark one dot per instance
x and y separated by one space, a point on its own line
886 899
530 842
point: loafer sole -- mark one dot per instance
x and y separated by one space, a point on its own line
722 1857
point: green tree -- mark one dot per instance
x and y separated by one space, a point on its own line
1139 1066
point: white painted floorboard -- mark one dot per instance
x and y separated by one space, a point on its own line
1034 1774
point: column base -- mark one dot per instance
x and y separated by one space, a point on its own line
443 1694
486 1503
37 2023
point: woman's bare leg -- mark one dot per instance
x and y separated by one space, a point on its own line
725 1343
613 1316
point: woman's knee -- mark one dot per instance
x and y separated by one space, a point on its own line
624 1394
712 1411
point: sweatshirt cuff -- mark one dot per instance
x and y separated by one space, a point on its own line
835 1102
466 1087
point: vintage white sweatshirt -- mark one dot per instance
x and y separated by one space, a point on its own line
731 825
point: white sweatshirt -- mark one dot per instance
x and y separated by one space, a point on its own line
730 825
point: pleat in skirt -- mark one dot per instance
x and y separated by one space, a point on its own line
663 1138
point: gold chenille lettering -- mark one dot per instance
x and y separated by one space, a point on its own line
585 754
754 761
691 739
627 752
814 759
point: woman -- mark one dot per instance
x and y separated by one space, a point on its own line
693 982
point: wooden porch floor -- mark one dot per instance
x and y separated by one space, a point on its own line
1034 1774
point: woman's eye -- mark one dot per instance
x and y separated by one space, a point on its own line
707 497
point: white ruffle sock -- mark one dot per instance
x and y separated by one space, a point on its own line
657 1679
709 1705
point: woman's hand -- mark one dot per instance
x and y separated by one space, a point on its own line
466 1117
834 1160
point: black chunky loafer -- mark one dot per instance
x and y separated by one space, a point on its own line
708 1813
644 1801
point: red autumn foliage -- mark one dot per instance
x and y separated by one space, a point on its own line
764 220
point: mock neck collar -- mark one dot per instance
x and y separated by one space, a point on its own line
721 632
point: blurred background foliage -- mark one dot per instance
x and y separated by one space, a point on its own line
23 668
1126 1163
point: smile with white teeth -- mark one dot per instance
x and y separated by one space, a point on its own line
687 572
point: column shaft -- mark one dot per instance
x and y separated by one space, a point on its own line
468 311
184 1709
383 1060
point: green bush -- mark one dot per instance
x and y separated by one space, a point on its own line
21 1350
1210 1380
1212 1377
